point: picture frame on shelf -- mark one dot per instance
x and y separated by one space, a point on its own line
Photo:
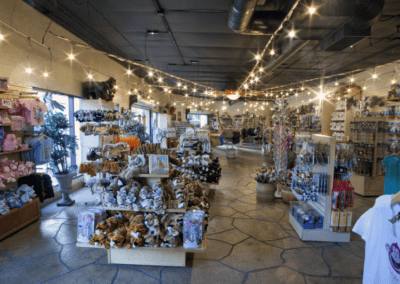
158 164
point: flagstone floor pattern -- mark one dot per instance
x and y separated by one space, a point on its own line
247 242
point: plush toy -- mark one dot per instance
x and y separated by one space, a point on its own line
119 237
168 239
152 238
136 231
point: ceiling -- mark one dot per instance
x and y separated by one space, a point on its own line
193 30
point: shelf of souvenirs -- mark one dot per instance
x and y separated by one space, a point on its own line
179 248
337 120
5 124
169 210
12 184
16 151
14 210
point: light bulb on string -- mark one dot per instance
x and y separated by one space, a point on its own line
258 57
135 90
336 83
160 79
261 69
151 74
393 81
272 52
45 74
185 87
256 79
311 10
129 72
28 70
150 90
352 80
1 37
179 84
374 76
364 88
246 86
292 34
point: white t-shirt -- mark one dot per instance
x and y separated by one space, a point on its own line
382 247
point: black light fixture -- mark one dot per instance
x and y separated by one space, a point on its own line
152 32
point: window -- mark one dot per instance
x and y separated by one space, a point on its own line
71 104
145 117
198 120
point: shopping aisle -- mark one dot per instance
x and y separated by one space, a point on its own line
247 242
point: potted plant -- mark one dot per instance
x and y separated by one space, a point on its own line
56 127
266 184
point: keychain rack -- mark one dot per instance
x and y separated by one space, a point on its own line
369 185
323 205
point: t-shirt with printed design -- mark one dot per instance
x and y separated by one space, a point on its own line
382 247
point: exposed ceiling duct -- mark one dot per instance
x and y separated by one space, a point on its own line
365 13
243 17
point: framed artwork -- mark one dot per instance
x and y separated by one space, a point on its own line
4 84
158 164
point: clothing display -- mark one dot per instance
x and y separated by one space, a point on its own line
392 176
41 148
382 245
42 185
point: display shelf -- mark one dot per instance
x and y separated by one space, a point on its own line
169 210
318 235
16 151
340 109
12 184
323 205
157 256
179 248
393 100
338 120
336 130
5 124
18 218
1 107
152 176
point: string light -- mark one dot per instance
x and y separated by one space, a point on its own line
352 80
116 87
28 70
160 80
374 76
258 57
129 93
393 81
179 84
364 88
272 52
150 90
71 56
336 83
165 90
261 69
135 90
302 88
296 94
311 10
129 72
151 74
185 87
45 74
90 76
292 34
1 37
246 86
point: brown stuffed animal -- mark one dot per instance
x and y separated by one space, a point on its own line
136 236
118 237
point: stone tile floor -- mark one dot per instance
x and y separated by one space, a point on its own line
248 242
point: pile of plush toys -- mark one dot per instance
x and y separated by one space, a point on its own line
200 168
15 198
130 229
10 170
266 174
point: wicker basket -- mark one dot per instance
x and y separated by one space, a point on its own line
265 191
288 196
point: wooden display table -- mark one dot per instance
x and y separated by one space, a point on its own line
18 218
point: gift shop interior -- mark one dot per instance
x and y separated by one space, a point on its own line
214 141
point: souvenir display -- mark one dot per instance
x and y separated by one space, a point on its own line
193 229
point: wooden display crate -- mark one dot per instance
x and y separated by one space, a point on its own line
19 217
